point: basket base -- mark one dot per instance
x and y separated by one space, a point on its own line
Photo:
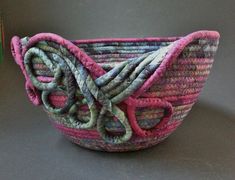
95 142
100 145
114 148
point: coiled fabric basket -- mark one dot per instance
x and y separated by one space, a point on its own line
115 94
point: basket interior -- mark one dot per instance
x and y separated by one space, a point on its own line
108 54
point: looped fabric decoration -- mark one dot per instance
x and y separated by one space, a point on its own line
97 89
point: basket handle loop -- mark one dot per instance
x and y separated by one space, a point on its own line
147 103
16 50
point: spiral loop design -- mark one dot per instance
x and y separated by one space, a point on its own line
70 76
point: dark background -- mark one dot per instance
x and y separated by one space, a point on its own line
202 148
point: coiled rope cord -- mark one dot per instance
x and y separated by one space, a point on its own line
109 88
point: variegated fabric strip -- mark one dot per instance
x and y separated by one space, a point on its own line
72 78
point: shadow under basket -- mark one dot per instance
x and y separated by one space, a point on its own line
115 94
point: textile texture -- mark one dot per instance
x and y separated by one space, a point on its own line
115 94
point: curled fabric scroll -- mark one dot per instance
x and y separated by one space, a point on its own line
109 89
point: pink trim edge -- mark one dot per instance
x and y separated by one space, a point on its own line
16 49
